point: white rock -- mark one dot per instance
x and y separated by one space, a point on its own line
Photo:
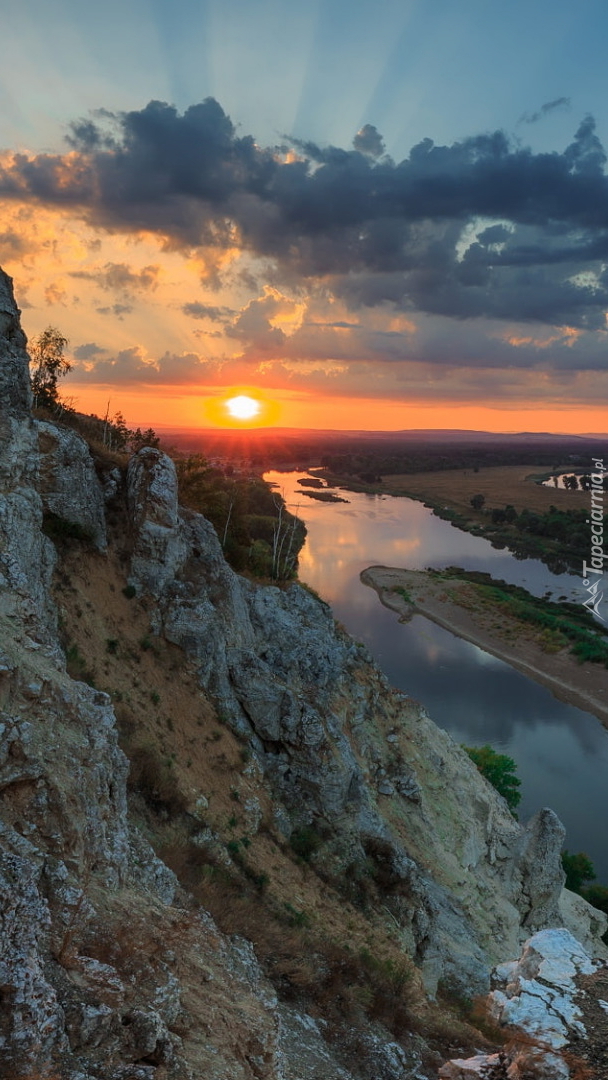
537 993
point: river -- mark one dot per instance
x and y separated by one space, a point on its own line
561 752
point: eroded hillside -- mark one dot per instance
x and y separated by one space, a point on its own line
228 848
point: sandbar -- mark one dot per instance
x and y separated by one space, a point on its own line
454 605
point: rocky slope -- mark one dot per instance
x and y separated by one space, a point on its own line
344 789
344 751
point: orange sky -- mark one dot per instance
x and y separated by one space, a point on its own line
164 330
162 408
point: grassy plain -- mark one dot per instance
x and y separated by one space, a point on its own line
500 485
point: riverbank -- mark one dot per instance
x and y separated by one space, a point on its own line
448 493
460 607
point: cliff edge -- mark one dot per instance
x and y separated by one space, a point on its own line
318 812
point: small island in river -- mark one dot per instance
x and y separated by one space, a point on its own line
549 642
325 496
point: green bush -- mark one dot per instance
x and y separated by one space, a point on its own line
499 770
579 869
305 842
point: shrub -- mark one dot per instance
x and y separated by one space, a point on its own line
60 529
579 869
499 770
305 842
154 780
77 667
403 593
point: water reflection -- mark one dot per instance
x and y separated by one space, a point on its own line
561 752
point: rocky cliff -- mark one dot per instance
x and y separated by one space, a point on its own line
287 783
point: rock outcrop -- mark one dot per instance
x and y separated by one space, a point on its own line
343 751
68 483
88 977
539 1000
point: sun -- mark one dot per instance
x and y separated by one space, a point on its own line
243 407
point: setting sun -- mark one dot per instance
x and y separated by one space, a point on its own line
243 407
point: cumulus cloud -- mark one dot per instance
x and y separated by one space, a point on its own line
88 351
369 141
374 231
134 366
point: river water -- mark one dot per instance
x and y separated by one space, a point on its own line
561 752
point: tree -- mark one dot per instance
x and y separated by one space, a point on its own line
579 869
499 770
140 438
477 501
48 365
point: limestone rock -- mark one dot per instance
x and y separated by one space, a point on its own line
74 876
542 843
475 1068
537 993
68 483
32 1028
314 711
152 500
15 392
27 557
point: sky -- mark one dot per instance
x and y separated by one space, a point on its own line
381 215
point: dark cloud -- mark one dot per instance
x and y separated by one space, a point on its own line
254 325
13 244
117 310
133 367
561 103
119 277
197 310
376 231
88 351
369 141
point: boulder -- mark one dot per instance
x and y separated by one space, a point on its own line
68 483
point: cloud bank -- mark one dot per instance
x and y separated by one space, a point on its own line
483 228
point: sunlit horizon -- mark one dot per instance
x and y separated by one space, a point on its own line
209 413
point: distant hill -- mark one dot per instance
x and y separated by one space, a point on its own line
436 435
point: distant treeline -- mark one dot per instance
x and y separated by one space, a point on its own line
559 538
370 465
374 454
